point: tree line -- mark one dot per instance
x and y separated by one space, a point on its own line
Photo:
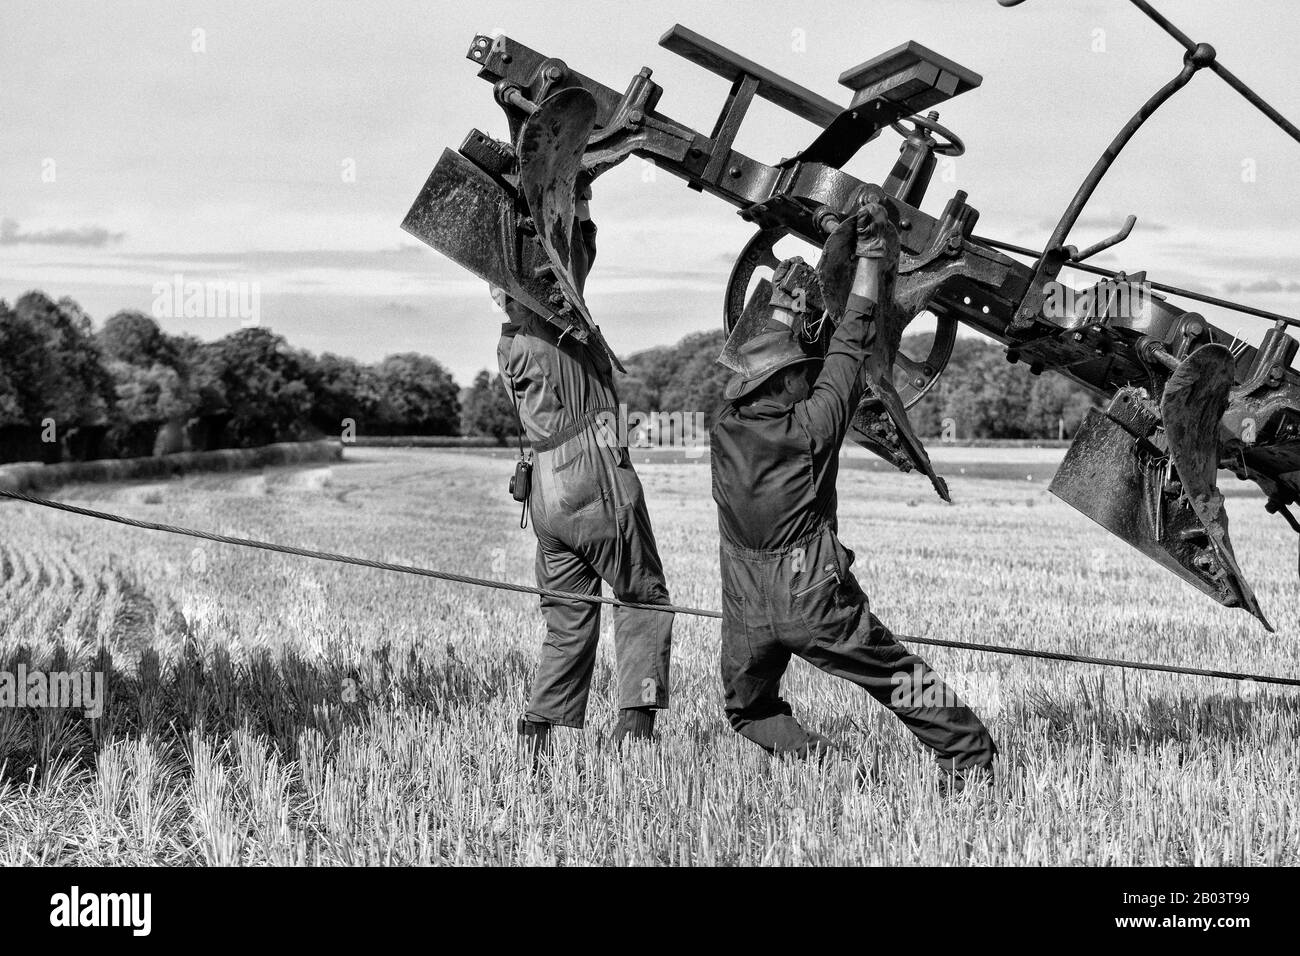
69 390
979 396
128 388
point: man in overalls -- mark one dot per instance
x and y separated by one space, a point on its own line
591 522
787 587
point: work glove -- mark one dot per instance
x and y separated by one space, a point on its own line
877 236
866 236
792 286
876 255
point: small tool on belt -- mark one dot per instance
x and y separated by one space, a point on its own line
521 482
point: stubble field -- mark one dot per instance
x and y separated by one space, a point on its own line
271 709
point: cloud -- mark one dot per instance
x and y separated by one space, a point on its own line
1105 224
393 307
11 234
398 257
1263 285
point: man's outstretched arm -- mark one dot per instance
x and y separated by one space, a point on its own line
828 410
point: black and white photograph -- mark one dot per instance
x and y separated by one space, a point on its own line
572 434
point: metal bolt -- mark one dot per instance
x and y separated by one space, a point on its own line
734 171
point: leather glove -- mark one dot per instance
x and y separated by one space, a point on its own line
877 235
792 286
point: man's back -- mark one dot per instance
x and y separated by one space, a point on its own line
772 482
556 383
774 465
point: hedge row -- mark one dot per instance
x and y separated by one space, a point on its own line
425 441
37 477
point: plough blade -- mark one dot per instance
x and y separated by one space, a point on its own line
1194 401
1117 472
551 144
835 267
469 217
905 443
751 322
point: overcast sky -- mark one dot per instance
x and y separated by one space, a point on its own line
128 156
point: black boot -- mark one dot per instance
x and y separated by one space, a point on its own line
953 782
816 747
635 722
535 738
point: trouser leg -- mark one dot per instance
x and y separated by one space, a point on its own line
642 639
751 683
620 546
904 683
563 680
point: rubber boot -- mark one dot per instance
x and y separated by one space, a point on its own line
535 739
816 747
953 782
637 723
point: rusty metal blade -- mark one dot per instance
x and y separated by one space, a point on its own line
750 323
1194 401
880 372
890 321
1116 473
836 265
550 148
469 217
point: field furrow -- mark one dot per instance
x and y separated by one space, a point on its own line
263 708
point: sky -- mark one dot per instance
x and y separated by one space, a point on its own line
279 144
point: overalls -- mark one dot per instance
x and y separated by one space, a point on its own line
787 583
590 517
